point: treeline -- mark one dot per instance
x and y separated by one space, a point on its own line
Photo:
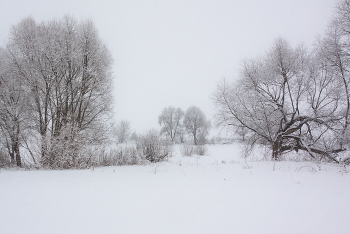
189 128
295 99
55 100
176 125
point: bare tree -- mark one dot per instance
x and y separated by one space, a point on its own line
171 120
196 124
13 110
286 101
66 70
123 131
334 52
242 132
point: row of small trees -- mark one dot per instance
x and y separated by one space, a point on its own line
294 99
175 125
55 91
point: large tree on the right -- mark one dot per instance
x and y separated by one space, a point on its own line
288 100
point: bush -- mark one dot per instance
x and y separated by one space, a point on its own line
65 150
128 156
120 156
201 149
152 147
188 150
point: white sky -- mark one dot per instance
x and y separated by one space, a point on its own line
174 52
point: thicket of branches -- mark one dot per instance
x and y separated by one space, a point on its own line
294 99
55 91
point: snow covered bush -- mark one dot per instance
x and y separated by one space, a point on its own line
188 149
128 155
201 149
152 147
65 150
100 156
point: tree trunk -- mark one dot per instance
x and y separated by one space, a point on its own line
276 149
18 155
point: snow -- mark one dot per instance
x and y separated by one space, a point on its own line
216 193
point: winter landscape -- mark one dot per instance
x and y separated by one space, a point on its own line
175 117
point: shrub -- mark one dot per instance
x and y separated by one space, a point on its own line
201 149
65 150
128 156
186 149
100 156
152 147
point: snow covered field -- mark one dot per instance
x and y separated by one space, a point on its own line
216 193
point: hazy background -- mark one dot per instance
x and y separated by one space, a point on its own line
174 52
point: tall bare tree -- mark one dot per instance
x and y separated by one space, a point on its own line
286 100
67 72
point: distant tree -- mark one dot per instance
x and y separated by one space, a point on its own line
181 134
196 124
242 132
123 131
170 120
133 136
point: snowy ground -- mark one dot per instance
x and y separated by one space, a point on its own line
216 193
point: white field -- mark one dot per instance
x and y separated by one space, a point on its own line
216 193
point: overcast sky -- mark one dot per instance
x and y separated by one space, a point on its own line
174 52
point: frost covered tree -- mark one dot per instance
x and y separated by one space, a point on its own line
13 110
123 131
288 100
66 72
196 124
171 122
334 53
